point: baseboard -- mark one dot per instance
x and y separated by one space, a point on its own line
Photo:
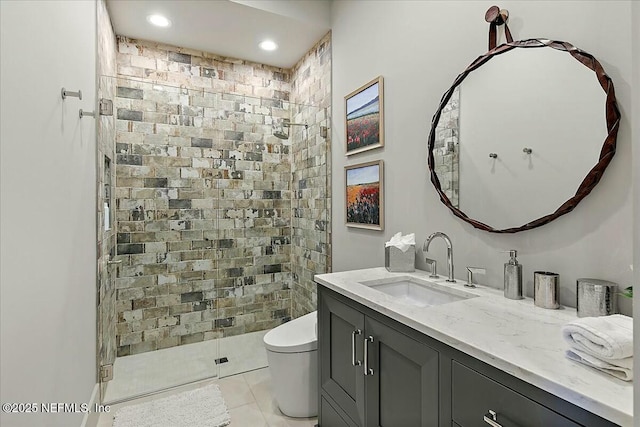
91 418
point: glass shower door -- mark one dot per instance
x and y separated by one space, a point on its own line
165 202
106 239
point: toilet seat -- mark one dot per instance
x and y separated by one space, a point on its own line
295 336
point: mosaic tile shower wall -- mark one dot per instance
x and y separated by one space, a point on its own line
311 200
203 194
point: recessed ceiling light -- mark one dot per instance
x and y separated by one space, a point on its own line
158 20
268 45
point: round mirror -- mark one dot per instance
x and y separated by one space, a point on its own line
517 141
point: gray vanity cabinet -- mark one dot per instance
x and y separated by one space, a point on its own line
375 374
340 331
414 380
474 395
402 386
331 416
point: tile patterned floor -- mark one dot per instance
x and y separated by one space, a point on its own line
161 369
248 396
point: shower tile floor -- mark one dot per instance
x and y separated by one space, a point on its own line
248 396
161 369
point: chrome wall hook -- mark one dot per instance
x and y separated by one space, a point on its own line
527 150
83 113
66 93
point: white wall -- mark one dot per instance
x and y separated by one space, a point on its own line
316 12
48 296
419 47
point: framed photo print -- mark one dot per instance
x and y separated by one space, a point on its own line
364 117
364 195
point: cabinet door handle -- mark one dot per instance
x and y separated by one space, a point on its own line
367 370
354 361
491 418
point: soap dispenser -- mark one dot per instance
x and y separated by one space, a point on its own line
513 277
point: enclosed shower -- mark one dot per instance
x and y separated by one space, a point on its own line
218 205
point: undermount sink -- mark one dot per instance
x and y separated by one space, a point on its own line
417 292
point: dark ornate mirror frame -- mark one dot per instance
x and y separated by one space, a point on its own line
606 153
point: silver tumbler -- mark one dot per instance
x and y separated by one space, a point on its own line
546 289
596 298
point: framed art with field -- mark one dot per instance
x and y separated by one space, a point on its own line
364 184
365 117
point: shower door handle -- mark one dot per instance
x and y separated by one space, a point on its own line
354 361
367 370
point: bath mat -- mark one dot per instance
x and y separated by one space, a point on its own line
202 407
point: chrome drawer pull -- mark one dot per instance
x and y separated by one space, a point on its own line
354 362
367 371
492 419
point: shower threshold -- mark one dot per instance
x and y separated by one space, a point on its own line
157 371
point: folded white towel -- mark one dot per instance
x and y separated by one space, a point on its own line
606 337
621 368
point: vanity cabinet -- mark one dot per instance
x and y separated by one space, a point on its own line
376 374
341 375
331 416
375 371
474 396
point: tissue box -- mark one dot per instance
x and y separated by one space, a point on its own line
397 261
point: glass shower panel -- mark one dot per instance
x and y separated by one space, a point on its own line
166 202
274 219
254 217
311 204
221 217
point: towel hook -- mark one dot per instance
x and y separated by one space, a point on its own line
83 113
66 93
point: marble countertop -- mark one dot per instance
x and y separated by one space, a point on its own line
512 335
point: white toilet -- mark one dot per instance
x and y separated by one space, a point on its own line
292 352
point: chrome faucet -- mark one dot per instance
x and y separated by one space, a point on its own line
425 248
